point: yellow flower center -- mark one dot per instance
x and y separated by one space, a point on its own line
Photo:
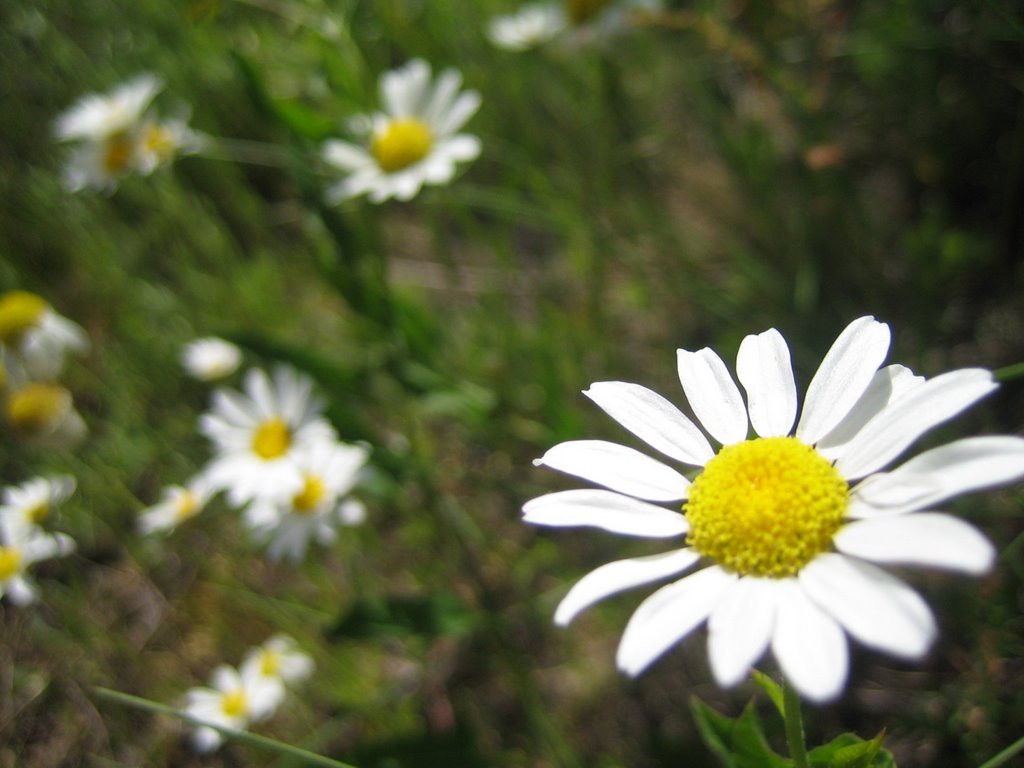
10 562
401 143
312 493
117 153
270 663
19 312
766 507
37 407
37 512
234 703
186 506
159 141
272 439
581 11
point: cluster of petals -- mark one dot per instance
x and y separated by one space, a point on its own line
859 415
210 358
407 94
536 24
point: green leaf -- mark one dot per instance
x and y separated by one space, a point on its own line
850 751
773 689
299 120
737 743
429 616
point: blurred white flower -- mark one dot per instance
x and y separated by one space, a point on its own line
234 700
45 414
178 504
210 358
412 142
36 336
532 25
329 471
258 434
34 502
570 20
790 525
276 664
20 547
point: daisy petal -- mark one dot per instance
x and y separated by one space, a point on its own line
464 107
877 609
667 616
933 476
844 374
713 395
764 369
927 538
606 510
347 157
653 419
808 644
911 415
617 467
620 576
740 628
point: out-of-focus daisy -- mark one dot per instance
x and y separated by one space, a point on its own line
45 414
277 664
789 525
36 335
159 142
412 142
34 502
234 700
532 25
178 504
577 20
329 471
210 358
257 434
20 547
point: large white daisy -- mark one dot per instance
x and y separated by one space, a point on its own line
412 142
786 529
258 434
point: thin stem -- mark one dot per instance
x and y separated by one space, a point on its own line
794 727
1001 759
262 742
244 151
1010 372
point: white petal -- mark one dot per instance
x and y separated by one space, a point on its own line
617 467
445 89
461 147
949 470
887 384
347 157
808 644
667 616
653 419
909 416
619 576
713 395
604 509
464 108
764 369
740 628
877 609
926 538
844 374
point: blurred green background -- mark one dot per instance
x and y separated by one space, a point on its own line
723 168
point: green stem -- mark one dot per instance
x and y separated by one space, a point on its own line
1001 759
794 727
261 742
1010 372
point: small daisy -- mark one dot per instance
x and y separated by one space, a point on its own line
276 664
45 414
234 700
36 336
20 547
257 434
210 358
329 471
789 526
32 503
412 142
159 142
577 20
178 504
532 25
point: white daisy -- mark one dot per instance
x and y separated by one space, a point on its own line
276 664
45 414
789 525
412 142
36 336
329 471
210 358
532 25
257 434
159 142
234 700
20 547
178 504
32 503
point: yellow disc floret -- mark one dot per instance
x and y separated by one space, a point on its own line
401 143
160 141
312 493
185 506
270 662
766 507
272 439
19 312
234 703
37 407
37 513
118 153
10 562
